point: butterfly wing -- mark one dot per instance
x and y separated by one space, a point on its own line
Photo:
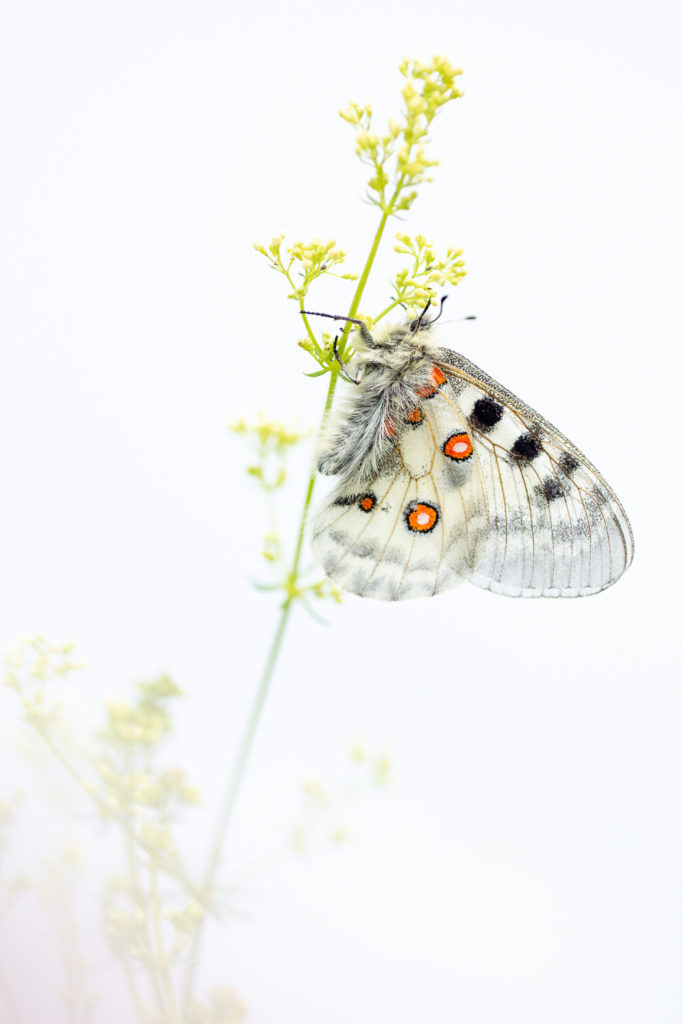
556 528
421 525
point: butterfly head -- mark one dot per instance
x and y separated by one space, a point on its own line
399 346
423 321
396 347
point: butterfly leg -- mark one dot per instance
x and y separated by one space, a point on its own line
343 368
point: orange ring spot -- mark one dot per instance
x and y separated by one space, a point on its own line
458 446
415 415
367 502
421 517
438 377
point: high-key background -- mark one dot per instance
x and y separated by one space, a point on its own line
524 864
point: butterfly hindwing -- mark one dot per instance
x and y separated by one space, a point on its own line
555 527
421 526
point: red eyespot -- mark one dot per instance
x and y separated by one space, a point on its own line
415 415
421 516
457 446
367 502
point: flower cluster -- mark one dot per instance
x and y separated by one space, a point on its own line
399 164
272 443
306 260
223 1006
324 805
133 789
397 157
32 664
129 787
420 282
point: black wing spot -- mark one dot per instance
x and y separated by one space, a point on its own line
486 413
551 489
526 447
568 464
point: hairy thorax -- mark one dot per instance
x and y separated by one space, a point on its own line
397 349
395 371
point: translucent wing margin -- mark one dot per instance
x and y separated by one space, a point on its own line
556 528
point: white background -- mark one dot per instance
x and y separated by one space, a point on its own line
525 863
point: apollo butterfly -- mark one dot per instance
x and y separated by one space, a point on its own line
447 476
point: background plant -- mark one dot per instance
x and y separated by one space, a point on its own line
154 913
151 908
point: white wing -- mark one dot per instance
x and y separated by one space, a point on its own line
418 528
556 529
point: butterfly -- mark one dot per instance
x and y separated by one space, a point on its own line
445 476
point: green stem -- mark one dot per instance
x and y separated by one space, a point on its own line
160 954
387 212
141 902
363 279
133 989
244 750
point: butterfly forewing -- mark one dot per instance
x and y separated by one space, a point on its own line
555 527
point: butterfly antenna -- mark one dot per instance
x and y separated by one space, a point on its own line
421 320
460 319
332 316
443 299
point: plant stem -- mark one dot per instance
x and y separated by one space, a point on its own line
363 279
244 750
133 990
140 902
161 958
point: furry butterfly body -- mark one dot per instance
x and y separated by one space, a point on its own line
447 476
